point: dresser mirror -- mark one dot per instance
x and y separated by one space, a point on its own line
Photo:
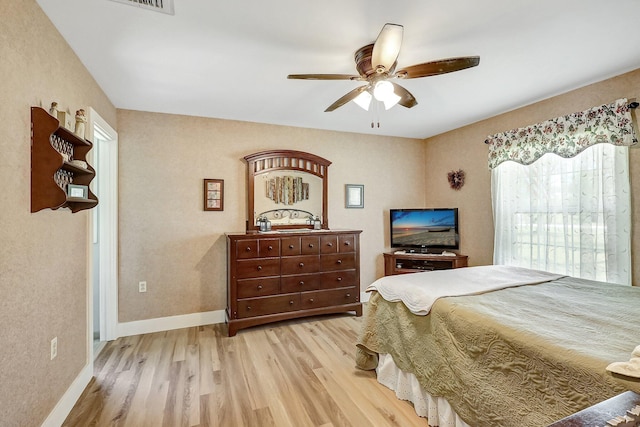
288 188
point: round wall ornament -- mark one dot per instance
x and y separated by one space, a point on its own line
456 179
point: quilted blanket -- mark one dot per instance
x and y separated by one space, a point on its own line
522 356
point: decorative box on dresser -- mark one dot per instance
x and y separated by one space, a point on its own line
290 274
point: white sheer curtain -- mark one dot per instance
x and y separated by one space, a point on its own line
569 216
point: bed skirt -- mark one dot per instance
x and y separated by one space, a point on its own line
436 410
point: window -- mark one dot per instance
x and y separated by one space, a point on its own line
566 215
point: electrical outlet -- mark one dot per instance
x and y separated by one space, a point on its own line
54 347
142 286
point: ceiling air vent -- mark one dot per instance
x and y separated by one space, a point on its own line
164 6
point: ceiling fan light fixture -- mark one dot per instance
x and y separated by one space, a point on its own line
363 100
391 100
382 90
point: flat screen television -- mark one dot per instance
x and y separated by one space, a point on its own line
424 230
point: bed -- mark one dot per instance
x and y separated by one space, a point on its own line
525 354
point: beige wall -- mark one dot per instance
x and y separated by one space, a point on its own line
180 250
464 148
43 263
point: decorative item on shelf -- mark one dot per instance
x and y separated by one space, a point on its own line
317 224
77 191
78 163
456 179
213 194
81 120
53 110
65 119
354 196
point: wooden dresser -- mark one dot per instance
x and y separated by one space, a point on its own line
285 275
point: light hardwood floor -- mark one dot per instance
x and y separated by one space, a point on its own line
296 373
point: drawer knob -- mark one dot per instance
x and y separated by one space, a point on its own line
270 248
290 246
330 244
291 302
347 243
248 249
259 287
301 264
310 245
248 308
339 279
259 267
301 283
310 299
348 295
339 261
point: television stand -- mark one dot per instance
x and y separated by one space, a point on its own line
402 263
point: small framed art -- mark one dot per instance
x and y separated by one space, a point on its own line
354 196
214 194
77 191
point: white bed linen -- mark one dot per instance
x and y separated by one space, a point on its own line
436 410
418 291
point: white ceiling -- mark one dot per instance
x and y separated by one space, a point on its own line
230 59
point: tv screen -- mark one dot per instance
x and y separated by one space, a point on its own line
424 229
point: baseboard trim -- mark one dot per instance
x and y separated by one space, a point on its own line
160 324
69 399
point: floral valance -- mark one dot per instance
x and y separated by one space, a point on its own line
565 136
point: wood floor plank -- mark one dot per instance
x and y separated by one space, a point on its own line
296 373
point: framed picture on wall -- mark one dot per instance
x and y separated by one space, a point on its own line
214 194
354 196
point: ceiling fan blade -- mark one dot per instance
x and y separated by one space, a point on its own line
441 66
346 98
387 47
406 98
324 76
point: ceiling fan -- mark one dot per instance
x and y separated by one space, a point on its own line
376 65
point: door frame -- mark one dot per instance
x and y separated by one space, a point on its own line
107 230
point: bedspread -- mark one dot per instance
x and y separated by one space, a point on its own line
524 356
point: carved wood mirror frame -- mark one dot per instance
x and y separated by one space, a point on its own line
285 160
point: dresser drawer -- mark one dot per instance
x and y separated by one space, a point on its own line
268 305
347 243
339 279
247 248
290 246
261 267
341 261
309 245
299 283
300 264
314 299
329 244
269 247
249 288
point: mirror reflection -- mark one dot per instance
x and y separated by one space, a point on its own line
288 197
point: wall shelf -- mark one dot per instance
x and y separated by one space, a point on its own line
50 172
